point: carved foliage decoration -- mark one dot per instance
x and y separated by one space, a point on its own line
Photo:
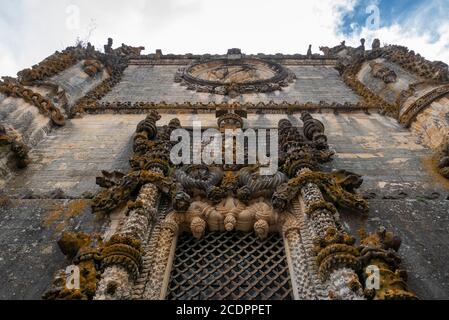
337 192
84 251
150 163
379 249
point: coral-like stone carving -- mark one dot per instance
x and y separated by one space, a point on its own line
84 251
349 74
125 252
154 286
336 250
253 185
331 52
150 163
379 249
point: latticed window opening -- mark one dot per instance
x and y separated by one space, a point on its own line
230 266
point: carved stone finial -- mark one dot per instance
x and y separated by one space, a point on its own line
309 52
234 54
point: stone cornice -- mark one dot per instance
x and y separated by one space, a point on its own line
184 61
188 107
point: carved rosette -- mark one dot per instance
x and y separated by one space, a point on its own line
234 77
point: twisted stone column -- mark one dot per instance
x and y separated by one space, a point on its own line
337 258
303 288
156 286
122 255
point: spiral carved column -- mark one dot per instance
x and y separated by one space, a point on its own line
337 257
303 288
122 254
155 288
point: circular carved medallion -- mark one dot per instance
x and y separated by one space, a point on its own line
235 76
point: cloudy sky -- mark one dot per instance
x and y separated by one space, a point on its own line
30 30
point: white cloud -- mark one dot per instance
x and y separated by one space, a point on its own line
30 30
424 30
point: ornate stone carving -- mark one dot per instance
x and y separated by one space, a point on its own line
326 182
253 185
409 115
150 163
349 74
228 215
235 76
85 252
382 72
335 50
306 150
416 64
55 64
189 107
122 254
337 258
92 67
14 89
115 61
165 243
379 249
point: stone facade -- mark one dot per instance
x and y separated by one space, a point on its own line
362 144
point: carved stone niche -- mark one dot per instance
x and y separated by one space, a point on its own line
235 76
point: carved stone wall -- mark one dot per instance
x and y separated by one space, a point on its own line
306 202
